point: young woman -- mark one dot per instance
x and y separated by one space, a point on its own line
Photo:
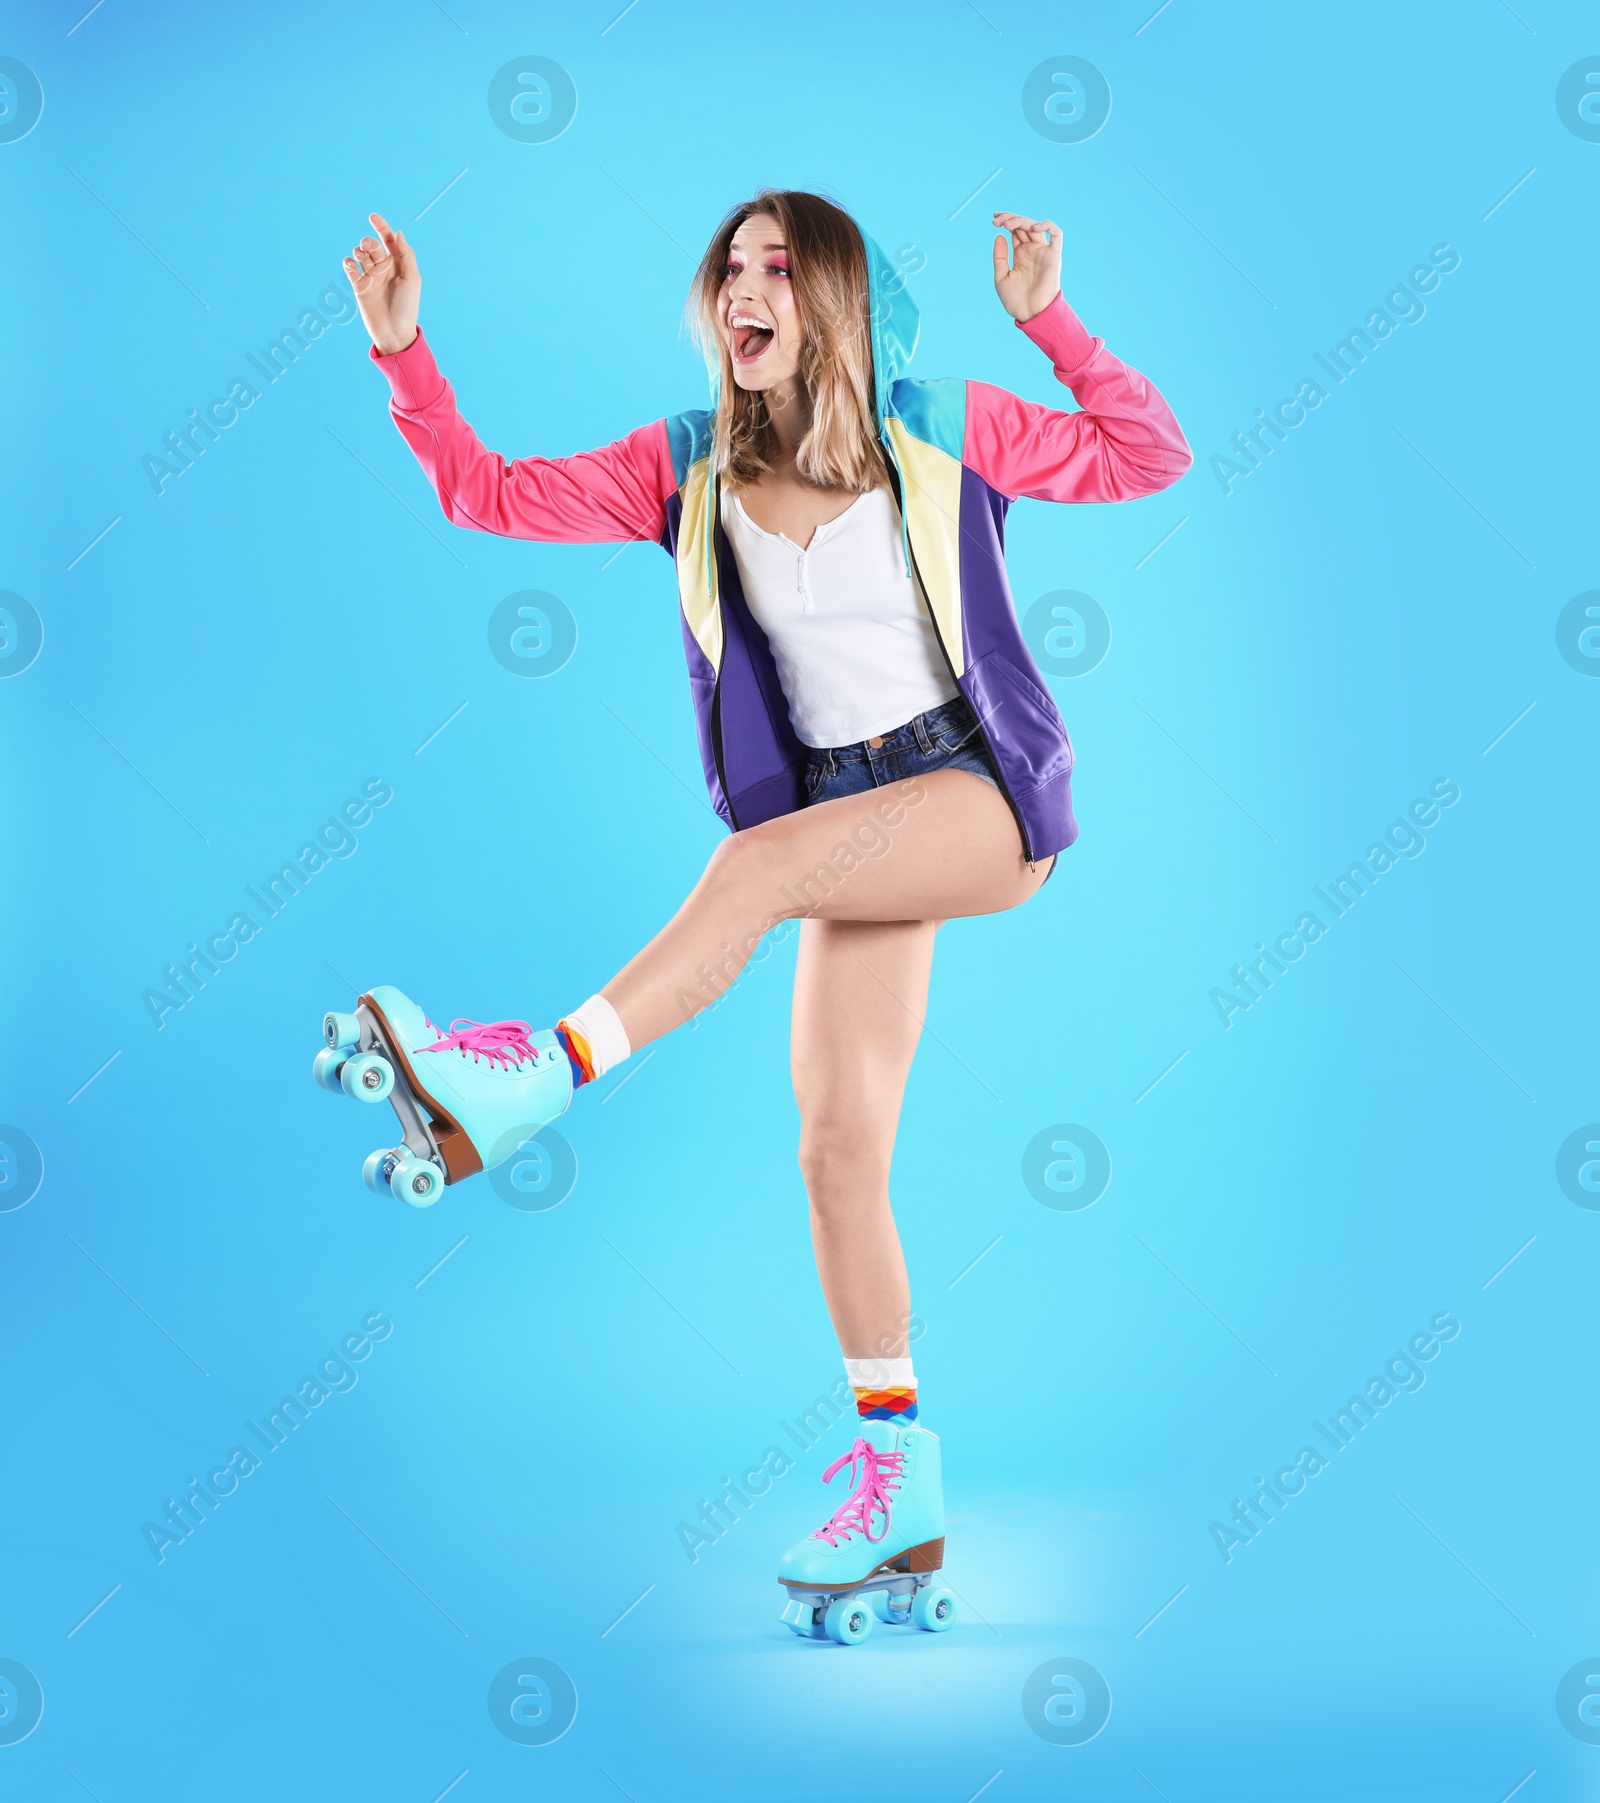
872 728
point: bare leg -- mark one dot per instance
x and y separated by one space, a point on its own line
926 849
860 993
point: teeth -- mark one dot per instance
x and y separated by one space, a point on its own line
744 319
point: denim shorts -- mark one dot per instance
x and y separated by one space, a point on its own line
944 738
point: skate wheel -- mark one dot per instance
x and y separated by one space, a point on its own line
416 1181
341 1030
367 1077
375 1173
934 1609
849 1620
325 1068
882 1602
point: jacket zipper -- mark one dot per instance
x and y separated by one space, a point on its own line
1027 845
714 501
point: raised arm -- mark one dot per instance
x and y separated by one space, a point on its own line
618 493
1125 441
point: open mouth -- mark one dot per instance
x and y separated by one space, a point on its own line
750 337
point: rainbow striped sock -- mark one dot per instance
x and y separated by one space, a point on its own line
576 1048
886 1389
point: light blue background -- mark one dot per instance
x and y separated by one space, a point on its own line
1296 663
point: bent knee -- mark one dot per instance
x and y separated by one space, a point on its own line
751 861
733 856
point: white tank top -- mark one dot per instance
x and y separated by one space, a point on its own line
854 644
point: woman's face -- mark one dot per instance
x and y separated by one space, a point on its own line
760 322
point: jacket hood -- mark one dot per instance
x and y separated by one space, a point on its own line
895 325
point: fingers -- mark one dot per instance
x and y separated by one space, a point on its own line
1029 231
367 256
370 256
1018 224
1002 263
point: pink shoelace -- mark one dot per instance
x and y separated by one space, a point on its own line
874 1474
502 1042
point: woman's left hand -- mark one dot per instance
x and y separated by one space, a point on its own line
1033 277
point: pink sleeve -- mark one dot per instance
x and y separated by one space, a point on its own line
618 493
1125 442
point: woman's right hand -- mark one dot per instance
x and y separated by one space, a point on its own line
388 287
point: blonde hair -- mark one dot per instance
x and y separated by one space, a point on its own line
828 271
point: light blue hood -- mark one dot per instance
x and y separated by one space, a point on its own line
895 326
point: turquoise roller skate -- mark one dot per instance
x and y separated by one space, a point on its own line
879 1555
467 1099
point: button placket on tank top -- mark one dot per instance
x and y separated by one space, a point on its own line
802 568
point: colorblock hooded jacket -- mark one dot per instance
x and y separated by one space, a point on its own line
960 452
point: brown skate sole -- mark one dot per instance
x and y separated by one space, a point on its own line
929 1556
458 1152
